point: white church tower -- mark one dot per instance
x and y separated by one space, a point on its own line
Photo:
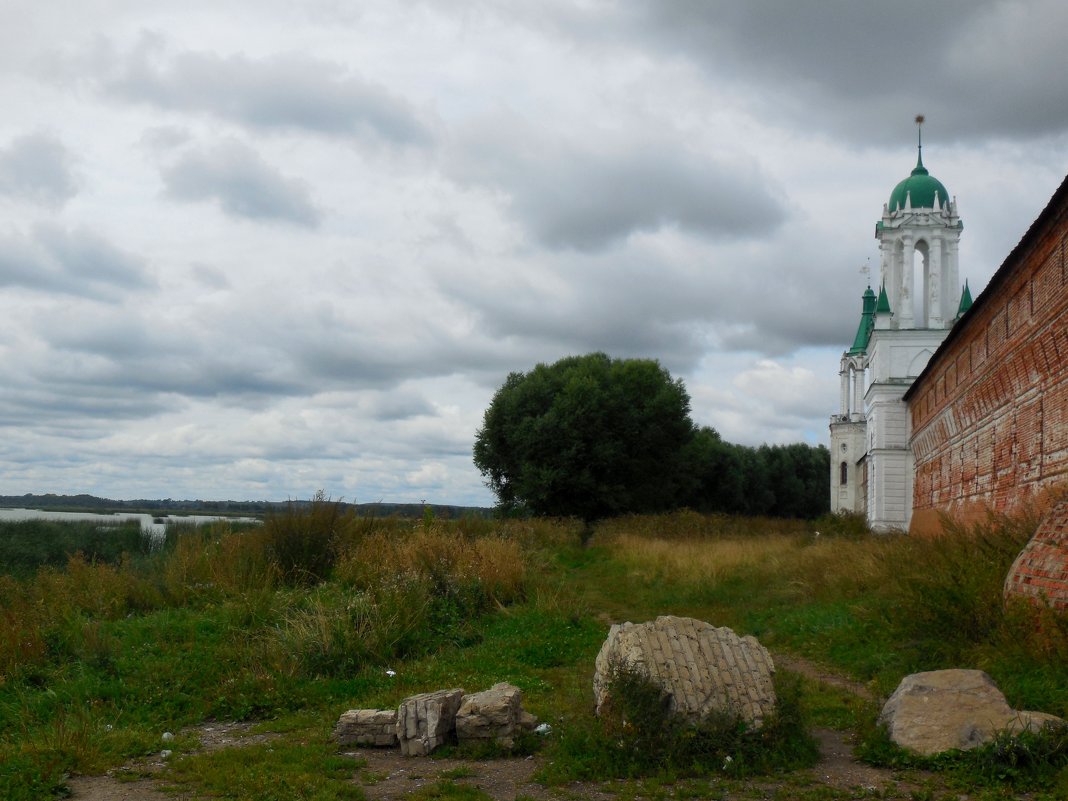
919 234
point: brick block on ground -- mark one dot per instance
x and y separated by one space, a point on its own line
374 727
427 720
703 669
495 715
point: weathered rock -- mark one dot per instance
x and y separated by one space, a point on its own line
1040 572
703 669
377 727
425 721
493 715
943 710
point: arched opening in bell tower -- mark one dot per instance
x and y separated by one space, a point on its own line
921 282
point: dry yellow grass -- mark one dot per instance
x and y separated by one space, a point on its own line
438 555
218 561
809 565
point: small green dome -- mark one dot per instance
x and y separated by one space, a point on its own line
921 188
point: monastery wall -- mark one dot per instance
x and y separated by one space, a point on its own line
989 414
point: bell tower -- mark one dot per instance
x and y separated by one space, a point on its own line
919 236
919 300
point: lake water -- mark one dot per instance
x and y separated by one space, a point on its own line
148 522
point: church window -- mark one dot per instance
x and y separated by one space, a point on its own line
842 473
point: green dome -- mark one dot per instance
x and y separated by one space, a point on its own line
921 188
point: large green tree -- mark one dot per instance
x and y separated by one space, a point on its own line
589 437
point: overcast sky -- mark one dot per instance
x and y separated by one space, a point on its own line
250 250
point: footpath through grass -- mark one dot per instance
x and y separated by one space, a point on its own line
319 611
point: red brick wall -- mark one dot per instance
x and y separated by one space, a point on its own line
989 414
1040 572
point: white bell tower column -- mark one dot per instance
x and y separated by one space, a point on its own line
919 222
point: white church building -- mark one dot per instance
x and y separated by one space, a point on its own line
919 300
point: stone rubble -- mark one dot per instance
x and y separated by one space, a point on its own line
944 710
374 727
703 669
426 721
494 715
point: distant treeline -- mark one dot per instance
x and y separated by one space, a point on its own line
91 503
771 480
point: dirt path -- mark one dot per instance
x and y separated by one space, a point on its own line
385 775
213 736
824 675
390 777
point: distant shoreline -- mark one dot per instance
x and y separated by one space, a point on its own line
162 507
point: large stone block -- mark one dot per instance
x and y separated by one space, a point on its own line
944 710
493 715
425 721
703 669
1040 572
376 727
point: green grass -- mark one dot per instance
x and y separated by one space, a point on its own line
639 736
278 770
448 790
97 660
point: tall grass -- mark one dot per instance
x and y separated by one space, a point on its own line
687 524
215 561
878 606
492 568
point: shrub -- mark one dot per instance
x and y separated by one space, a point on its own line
336 633
1028 758
639 734
850 525
303 541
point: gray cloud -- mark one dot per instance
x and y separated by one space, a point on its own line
854 69
589 195
37 167
147 356
968 64
242 183
667 297
81 413
165 138
78 262
396 405
287 91
210 277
